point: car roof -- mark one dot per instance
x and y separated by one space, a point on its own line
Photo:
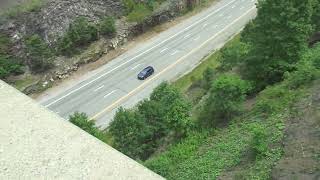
149 67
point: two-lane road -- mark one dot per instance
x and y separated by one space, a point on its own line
172 54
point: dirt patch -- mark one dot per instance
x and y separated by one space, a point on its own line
301 159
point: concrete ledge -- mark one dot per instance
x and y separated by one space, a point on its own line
35 143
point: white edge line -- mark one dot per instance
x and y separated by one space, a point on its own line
185 29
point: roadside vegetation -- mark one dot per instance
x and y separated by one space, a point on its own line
26 6
9 64
227 118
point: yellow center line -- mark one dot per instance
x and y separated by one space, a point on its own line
111 106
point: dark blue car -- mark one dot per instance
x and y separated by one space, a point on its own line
146 72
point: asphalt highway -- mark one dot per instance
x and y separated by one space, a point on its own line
172 53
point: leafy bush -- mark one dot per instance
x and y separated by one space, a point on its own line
267 61
304 74
208 76
259 140
227 94
131 134
139 13
129 5
139 132
8 64
274 99
107 26
39 54
232 55
79 34
82 121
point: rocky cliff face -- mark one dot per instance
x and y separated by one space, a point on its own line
53 19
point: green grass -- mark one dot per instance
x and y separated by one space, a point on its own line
27 6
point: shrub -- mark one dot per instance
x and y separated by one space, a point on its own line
4 44
8 66
129 5
232 55
274 99
304 74
227 94
139 13
107 26
131 134
208 76
39 54
259 140
139 132
8 63
82 121
79 34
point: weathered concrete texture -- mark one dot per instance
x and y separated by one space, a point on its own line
37 144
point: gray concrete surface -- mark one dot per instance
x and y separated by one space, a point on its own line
172 53
37 144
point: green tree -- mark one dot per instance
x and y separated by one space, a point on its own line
139 132
227 95
79 34
107 26
316 15
232 56
39 54
131 134
208 76
8 63
175 108
277 37
82 121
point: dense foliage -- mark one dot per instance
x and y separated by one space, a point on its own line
277 38
273 49
139 132
107 26
227 95
233 56
82 121
80 33
137 11
39 54
8 63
